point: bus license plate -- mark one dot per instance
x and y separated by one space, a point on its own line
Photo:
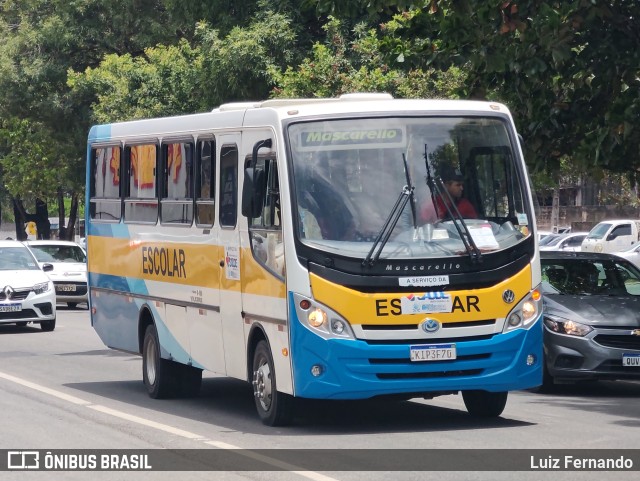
66 288
433 352
631 360
10 307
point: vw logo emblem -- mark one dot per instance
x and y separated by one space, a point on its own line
430 325
508 296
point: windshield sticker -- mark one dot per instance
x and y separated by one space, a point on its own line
427 303
522 219
483 236
360 138
424 281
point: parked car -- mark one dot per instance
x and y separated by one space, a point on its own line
591 322
69 274
563 242
612 236
632 254
543 234
26 292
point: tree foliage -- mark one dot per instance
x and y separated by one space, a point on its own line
568 70
352 62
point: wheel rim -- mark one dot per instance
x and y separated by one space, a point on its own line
262 384
150 358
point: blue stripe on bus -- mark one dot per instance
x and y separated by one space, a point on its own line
100 132
354 369
119 231
116 319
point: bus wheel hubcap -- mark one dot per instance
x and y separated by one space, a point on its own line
262 385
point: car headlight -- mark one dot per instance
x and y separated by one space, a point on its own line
566 326
525 312
322 320
41 288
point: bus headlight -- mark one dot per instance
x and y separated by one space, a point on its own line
322 320
525 312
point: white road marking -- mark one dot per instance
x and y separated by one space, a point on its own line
45 390
166 428
146 422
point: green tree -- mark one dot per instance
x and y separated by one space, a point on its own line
568 70
183 78
40 40
352 62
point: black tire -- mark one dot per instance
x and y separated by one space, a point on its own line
72 305
274 408
485 404
48 326
159 375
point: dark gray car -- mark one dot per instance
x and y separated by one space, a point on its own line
591 317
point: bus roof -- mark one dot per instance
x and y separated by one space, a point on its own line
268 112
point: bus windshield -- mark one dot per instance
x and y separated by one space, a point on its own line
349 174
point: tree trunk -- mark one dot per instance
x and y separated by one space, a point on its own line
73 218
18 214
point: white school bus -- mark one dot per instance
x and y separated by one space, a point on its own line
318 248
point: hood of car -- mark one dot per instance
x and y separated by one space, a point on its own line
67 270
623 311
22 278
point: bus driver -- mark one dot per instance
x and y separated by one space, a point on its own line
454 184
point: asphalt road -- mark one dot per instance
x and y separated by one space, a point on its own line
65 390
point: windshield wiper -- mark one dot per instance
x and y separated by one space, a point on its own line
388 226
412 198
457 219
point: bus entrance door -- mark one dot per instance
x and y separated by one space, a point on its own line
230 292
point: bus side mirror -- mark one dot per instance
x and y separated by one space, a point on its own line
254 185
253 190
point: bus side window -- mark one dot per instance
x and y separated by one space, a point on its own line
105 202
206 183
228 209
141 202
266 229
177 185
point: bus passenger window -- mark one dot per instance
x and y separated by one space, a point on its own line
228 210
141 205
206 184
177 186
105 203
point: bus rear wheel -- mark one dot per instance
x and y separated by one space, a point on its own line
485 404
274 408
158 374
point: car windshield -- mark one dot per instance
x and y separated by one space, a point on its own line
599 231
582 276
349 179
58 253
552 239
16 258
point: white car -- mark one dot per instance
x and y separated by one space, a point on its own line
69 273
632 254
26 292
563 242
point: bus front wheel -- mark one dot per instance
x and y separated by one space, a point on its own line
274 408
484 403
157 373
